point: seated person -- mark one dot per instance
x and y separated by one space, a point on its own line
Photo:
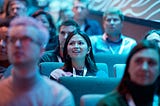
80 10
25 86
57 55
140 83
4 63
112 41
78 57
153 35
47 20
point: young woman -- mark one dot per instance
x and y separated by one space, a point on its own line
78 57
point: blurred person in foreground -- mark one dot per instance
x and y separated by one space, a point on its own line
27 39
140 83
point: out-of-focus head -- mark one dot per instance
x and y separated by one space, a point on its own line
16 8
46 19
65 28
153 35
3 40
27 39
80 9
143 64
112 21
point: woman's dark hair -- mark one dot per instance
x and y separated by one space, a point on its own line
122 88
50 20
89 60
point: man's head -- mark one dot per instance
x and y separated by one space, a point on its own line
16 8
80 9
27 39
65 28
112 21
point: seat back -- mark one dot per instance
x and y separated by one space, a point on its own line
88 85
47 67
119 70
110 60
90 99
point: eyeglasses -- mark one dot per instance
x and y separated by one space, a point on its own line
24 39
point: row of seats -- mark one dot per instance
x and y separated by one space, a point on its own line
47 67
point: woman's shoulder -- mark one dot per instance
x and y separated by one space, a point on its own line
112 99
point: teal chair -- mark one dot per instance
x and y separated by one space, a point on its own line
47 67
119 70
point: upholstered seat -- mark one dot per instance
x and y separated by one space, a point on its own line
88 85
47 67
119 70
110 60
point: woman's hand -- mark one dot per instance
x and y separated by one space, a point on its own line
56 74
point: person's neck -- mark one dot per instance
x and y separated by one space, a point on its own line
24 77
78 64
114 38
61 52
80 22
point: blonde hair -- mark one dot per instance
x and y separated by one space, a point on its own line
43 34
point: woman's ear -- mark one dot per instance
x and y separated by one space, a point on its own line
89 49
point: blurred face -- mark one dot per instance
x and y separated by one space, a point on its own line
63 34
42 18
154 37
79 10
112 24
23 45
77 47
3 43
17 8
144 67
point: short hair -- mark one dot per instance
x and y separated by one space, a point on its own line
43 34
114 10
70 23
144 44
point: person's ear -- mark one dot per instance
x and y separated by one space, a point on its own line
42 50
89 49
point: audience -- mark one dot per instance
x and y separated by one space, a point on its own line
153 35
48 22
112 41
139 84
57 55
90 26
78 57
27 39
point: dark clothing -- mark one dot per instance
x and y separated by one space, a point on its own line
51 56
52 44
113 99
92 27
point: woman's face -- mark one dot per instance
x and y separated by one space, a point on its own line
144 67
43 19
77 47
154 37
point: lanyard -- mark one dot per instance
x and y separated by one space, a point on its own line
84 72
131 102
59 59
121 47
